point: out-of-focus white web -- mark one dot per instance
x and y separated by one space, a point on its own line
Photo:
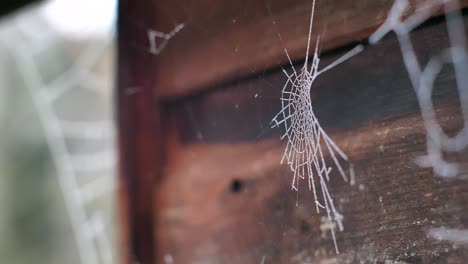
89 225
307 142
422 79
454 235
154 47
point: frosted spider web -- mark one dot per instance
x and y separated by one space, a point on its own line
90 224
156 47
307 142
422 80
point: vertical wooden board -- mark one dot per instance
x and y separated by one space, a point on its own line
140 134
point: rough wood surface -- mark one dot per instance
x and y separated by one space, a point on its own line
200 179
226 40
225 198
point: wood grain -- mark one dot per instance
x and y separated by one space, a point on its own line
200 178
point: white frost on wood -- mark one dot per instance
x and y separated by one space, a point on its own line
307 142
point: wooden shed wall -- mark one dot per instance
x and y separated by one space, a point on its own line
201 179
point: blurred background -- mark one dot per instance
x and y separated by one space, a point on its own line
57 146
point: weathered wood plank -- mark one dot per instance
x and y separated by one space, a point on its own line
140 137
225 198
226 40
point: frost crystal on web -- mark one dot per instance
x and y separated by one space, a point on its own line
155 47
307 142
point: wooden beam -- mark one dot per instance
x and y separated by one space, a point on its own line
140 137
226 40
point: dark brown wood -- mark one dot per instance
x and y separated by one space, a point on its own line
226 40
140 135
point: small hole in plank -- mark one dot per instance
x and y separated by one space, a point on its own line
304 227
237 186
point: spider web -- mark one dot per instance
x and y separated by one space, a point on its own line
422 80
307 142
155 47
88 222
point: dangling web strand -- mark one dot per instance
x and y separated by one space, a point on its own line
307 142
154 47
